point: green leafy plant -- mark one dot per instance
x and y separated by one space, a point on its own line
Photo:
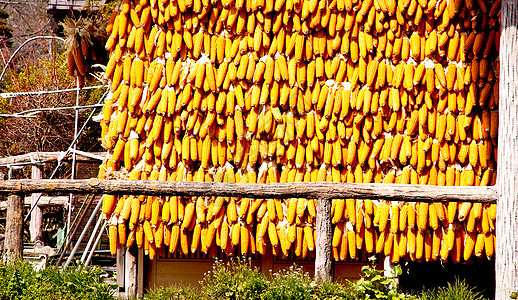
18 281
236 279
375 285
331 290
294 283
290 283
459 290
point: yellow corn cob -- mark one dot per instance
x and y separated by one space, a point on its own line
394 219
384 211
489 244
422 215
114 241
308 237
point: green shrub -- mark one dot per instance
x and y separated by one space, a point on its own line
237 279
459 290
294 283
234 280
19 281
332 290
290 283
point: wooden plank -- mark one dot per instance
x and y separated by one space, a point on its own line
35 229
43 202
40 157
506 256
324 236
13 244
72 4
310 190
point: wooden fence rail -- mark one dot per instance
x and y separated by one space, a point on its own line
309 190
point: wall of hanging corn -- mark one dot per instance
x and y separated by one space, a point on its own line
287 91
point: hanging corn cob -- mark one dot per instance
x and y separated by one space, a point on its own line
83 38
251 92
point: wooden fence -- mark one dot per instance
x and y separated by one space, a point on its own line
323 191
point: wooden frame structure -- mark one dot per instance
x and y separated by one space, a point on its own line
323 191
35 160
505 192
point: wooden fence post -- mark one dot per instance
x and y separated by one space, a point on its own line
127 272
130 273
323 259
140 273
36 214
13 243
506 255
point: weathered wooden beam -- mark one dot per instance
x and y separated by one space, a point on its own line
311 190
13 244
506 252
39 157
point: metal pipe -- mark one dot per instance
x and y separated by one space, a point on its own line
22 94
96 242
47 37
74 147
91 239
76 226
31 112
85 229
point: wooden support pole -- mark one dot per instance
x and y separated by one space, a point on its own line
140 273
121 251
130 272
13 244
309 190
36 214
506 255
324 258
127 272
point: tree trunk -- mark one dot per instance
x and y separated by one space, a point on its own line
13 244
506 255
323 259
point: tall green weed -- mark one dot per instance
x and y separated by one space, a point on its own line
459 290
